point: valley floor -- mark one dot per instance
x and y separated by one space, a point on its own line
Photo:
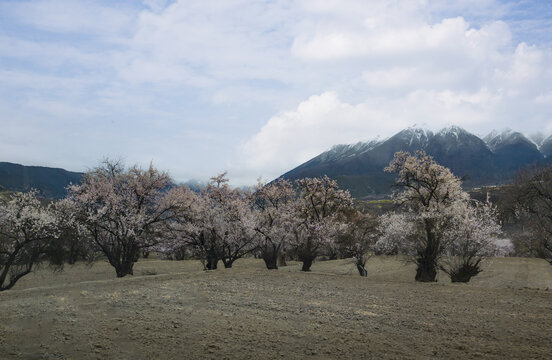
173 310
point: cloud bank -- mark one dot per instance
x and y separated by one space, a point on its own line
259 87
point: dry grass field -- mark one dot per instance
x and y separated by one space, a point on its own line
174 310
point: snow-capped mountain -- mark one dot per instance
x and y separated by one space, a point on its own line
497 140
343 151
546 146
512 150
537 138
491 160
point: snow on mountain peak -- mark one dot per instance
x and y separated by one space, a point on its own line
341 151
453 130
504 137
416 135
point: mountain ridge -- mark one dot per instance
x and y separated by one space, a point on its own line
50 182
480 161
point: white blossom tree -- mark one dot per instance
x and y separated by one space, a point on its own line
471 236
436 217
317 219
73 241
125 210
275 213
26 231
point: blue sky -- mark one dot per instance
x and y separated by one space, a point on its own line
258 87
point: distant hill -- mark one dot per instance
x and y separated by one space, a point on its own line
489 161
51 182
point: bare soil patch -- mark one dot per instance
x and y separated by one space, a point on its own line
182 312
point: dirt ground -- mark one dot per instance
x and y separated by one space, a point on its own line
174 310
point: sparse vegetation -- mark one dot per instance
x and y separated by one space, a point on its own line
530 201
248 311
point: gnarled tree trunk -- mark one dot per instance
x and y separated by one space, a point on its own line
212 262
427 270
361 270
270 254
427 257
307 262
122 258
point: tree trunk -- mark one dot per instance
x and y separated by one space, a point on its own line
361 270
270 255
427 257
123 259
212 262
427 270
282 259
15 277
307 263
307 254
271 260
227 263
124 268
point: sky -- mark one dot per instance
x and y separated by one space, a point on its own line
258 87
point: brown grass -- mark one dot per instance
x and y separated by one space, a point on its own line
174 310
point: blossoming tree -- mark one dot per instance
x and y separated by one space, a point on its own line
26 231
437 218
124 210
471 236
220 225
317 219
73 240
356 238
531 200
275 212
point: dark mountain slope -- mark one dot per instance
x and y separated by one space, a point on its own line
513 150
51 182
359 167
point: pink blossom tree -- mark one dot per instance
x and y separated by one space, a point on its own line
26 232
125 210
275 212
220 225
356 238
318 209
196 230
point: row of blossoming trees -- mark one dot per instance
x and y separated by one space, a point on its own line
123 213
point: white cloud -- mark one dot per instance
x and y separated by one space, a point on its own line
119 78
295 136
409 71
381 40
545 98
68 16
